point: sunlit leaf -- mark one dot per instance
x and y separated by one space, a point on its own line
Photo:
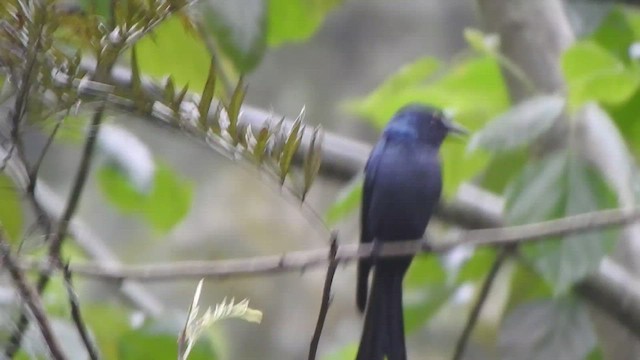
10 209
149 344
173 50
107 324
347 202
592 73
163 207
346 353
619 29
295 20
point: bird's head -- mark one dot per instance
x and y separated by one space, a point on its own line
425 124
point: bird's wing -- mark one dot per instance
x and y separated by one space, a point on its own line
364 266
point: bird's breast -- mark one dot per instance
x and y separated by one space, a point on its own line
406 189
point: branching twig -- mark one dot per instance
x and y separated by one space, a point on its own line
479 303
31 298
56 240
33 172
76 315
326 297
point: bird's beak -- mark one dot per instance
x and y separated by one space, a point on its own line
456 129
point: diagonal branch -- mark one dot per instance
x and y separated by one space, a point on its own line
76 315
56 240
326 297
31 298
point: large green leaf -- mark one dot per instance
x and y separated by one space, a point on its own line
558 186
146 343
473 90
177 50
592 73
240 30
618 31
107 324
295 20
426 291
346 353
10 209
164 206
347 202
547 329
520 125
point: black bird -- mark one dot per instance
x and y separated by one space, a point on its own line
402 187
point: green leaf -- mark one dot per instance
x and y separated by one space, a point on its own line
426 291
527 285
473 90
295 20
10 209
107 324
312 160
559 186
145 343
618 31
207 96
477 267
547 329
291 146
347 202
348 352
174 50
501 169
163 207
233 108
239 27
409 76
520 125
592 73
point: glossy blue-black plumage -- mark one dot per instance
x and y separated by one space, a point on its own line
401 190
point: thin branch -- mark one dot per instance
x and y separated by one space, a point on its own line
479 303
31 298
56 240
33 172
51 206
76 315
304 260
326 297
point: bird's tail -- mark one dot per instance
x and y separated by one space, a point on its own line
383 332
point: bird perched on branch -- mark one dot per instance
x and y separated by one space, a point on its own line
401 190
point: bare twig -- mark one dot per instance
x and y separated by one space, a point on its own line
303 260
33 172
31 298
57 238
76 315
326 297
461 344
